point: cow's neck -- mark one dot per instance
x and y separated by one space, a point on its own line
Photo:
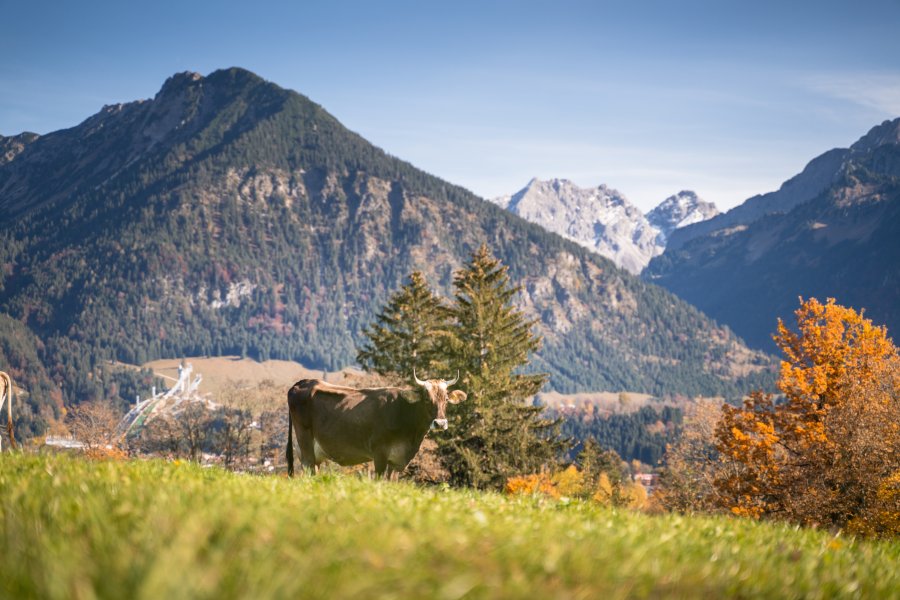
423 412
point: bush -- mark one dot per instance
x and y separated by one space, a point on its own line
531 485
571 483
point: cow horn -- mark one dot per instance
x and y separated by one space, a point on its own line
449 383
418 381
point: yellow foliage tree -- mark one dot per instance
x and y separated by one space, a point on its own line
634 496
884 518
572 483
820 455
531 485
604 494
95 424
569 482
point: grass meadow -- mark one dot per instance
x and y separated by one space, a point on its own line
75 528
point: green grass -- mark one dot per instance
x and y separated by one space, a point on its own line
72 528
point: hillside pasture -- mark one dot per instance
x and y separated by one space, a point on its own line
221 371
72 528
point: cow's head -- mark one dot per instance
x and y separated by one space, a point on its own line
436 389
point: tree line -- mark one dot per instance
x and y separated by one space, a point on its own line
242 429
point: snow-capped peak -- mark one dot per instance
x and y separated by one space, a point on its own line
603 220
684 208
600 218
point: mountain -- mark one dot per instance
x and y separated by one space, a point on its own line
818 175
228 215
831 231
678 211
10 147
603 220
600 219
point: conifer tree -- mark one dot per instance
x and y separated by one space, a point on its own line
594 460
410 332
495 434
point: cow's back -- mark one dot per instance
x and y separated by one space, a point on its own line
344 416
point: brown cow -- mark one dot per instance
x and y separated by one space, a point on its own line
7 393
352 426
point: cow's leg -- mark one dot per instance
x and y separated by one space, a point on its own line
289 450
393 473
381 464
307 444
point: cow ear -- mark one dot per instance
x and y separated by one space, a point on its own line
457 396
411 396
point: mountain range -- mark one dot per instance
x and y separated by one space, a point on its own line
832 231
229 215
603 220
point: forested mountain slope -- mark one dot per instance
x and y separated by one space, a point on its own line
228 215
842 242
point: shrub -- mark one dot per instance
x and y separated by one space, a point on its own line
570 482
531 485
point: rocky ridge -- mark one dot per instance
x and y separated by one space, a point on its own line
603 220
831 231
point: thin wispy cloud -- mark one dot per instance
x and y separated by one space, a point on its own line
876 91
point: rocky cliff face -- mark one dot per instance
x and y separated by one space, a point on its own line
603 220
11 147
600 219
678 211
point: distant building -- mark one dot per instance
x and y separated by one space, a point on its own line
648 480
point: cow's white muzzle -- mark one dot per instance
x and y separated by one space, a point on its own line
439 424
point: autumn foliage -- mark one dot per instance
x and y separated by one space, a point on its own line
828 452
530 485
572 482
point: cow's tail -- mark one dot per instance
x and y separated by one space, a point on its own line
289 451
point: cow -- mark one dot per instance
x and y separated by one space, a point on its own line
7 394
352 426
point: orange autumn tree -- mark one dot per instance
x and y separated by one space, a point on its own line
820 455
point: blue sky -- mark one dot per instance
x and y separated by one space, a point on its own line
725 98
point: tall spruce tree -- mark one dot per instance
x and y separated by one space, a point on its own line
496 434
410 332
